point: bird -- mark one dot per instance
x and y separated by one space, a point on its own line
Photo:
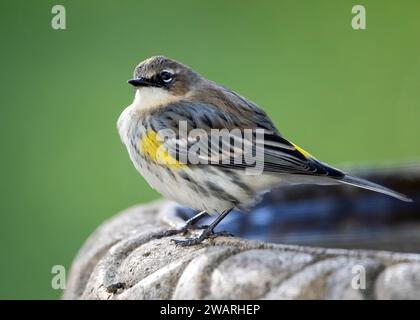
171 97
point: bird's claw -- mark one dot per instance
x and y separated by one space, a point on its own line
187 242
221 234
199 239
183 230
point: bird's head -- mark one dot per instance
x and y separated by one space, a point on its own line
160 80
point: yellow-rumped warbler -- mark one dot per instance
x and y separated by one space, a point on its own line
197 170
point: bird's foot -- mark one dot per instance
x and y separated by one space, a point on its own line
113 288
182 230
206 234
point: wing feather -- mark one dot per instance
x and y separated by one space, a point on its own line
279 156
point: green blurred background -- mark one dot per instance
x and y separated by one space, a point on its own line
347 96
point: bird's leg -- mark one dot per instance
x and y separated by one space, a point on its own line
207 233
189 224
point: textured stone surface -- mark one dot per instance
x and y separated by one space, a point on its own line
400 281
121 260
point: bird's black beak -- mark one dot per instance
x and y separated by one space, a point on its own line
140 82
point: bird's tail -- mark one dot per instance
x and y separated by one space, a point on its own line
365 184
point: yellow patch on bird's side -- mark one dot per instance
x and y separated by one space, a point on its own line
306 154
152 147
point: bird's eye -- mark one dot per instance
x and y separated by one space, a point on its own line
166 76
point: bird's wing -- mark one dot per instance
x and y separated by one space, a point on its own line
277 155
233 149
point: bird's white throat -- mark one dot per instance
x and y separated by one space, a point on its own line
152 97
